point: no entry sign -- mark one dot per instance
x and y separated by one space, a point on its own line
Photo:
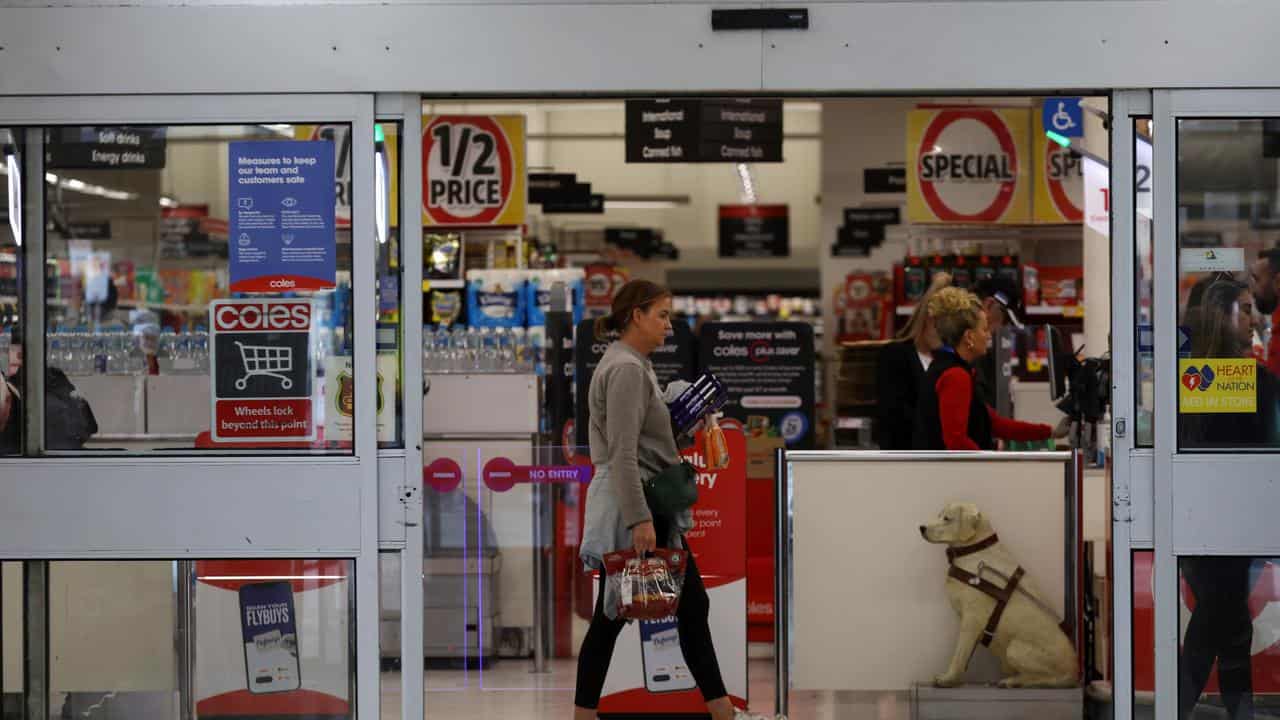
473 170
968 165
261 371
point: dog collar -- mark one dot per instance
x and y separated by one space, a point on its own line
954 553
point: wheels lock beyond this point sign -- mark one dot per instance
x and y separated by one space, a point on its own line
261 370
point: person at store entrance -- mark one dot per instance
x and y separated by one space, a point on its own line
900 369
631 439
952 414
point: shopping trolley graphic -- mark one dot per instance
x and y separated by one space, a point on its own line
267 361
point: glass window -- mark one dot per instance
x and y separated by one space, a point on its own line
126 638
1143 273
1228 650
387 167
1228 275
11 214
11 628
199 288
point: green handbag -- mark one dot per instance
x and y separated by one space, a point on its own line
672 491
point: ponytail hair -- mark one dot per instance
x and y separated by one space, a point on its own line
635 295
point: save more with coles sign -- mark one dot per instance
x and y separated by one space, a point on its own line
261 370
473 170
968 165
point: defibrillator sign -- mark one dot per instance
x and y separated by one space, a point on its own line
967 165
1218 385
473 170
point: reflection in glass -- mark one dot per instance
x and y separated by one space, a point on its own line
387 168
1228 275
11 215
1142 285
138 251
1229 638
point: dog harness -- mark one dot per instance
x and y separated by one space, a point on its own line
1001 595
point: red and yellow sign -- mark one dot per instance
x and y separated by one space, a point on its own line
1059 181
473 170
1218 385
968 165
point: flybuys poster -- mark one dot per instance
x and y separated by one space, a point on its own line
768 370
648 676
271 647
339 395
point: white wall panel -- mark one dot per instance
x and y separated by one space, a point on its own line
285 507
628 47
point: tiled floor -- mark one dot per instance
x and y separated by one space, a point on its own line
511 692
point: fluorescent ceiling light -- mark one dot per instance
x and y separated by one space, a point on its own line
80 186
381 209
748 185
168 202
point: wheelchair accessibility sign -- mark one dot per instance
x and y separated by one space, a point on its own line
1064 116
261 370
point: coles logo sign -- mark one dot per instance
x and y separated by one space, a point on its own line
473 170
967 165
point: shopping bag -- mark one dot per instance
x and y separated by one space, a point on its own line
645 587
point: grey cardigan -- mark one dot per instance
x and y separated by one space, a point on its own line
631 439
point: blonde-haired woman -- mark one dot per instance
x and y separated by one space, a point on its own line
951 414
900 369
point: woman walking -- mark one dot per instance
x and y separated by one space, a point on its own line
632 439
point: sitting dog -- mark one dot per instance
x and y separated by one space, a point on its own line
1033 651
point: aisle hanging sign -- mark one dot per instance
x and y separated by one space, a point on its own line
754 231
106 147
261 370
473 170
968 165
730 130
282 230
1059 173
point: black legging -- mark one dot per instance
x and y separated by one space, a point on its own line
1220 629
695 641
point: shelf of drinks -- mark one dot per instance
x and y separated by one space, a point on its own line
1067 311
167 307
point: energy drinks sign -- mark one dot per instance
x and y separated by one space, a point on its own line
1059 174
968 165
1218 385
473 170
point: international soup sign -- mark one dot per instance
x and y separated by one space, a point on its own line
1218 385
968 165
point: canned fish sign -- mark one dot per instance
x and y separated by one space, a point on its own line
473 170
968 165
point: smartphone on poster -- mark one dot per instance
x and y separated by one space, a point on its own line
664 665
269 628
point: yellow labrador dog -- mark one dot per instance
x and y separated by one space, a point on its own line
1033 651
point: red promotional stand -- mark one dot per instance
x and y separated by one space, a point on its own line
647 675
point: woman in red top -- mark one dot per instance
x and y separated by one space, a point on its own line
952 414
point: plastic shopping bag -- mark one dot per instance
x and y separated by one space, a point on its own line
716 449
645 588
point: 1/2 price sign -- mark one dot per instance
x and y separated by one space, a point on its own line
473 170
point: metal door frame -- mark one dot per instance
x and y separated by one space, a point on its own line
1128 464
178 508
1212 496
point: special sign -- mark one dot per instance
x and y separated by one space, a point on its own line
1059 174
473 170
968 165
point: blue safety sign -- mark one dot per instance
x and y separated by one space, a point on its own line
1064 116
282 234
